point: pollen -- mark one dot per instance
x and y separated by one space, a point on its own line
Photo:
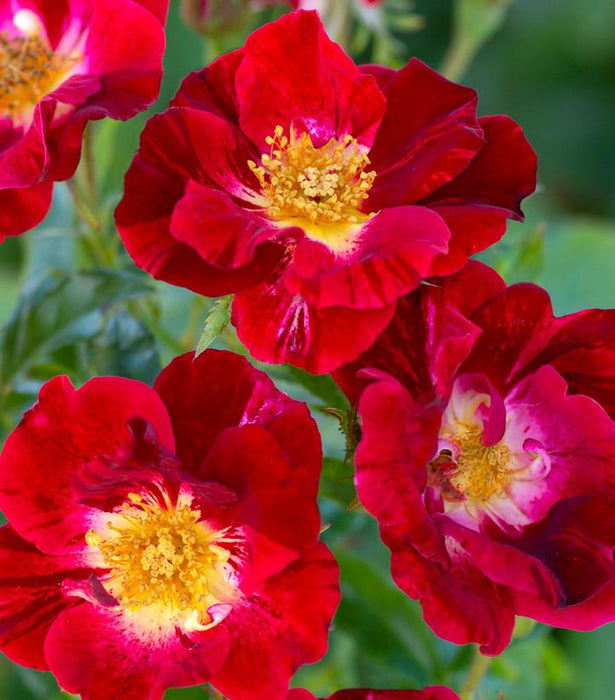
166 556
29 70
324 185
478 472
482 472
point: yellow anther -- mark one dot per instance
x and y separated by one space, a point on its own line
165 556
481 472
323 185
29 70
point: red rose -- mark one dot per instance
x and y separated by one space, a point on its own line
63 63
488 456
316 191
165 537
434 692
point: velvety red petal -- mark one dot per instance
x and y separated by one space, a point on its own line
124 49
398 440
277 326
24 208
506 565
64 134
100 653
219 230
429 336
588 615
212 89
514 323
291 71
383 74
174 151
459 603
477 203
220 390
62 432
276 500
501 174
282 628
158 8
30 596
520 334
24 157
428 135
576 541
467 289
473 228
394 251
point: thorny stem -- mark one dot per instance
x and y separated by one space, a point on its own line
478 668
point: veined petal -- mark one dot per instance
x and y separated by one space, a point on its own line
54 440
280 80
392 253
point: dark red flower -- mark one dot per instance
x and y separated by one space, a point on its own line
488 456
165 537
434 692
316 191
63 63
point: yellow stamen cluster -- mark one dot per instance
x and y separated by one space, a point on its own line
165 556
481 472
29 70
323 185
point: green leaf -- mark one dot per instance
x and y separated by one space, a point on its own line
217 320
393 642
59 310
126 348
337 482
322 386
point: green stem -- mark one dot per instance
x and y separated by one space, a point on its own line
190 334
478 668
475 22
458 58
90 167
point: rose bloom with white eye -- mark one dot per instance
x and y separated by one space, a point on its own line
165 537
488 456
62 64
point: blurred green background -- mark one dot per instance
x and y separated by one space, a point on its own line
71 302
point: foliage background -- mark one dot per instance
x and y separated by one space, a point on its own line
71 302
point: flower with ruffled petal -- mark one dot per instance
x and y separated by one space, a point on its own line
434 692
165 537
62 64
488 456
317 191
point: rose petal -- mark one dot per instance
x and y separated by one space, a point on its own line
280 327
292 70
428 135
283 627
393 252
101 653
65 430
